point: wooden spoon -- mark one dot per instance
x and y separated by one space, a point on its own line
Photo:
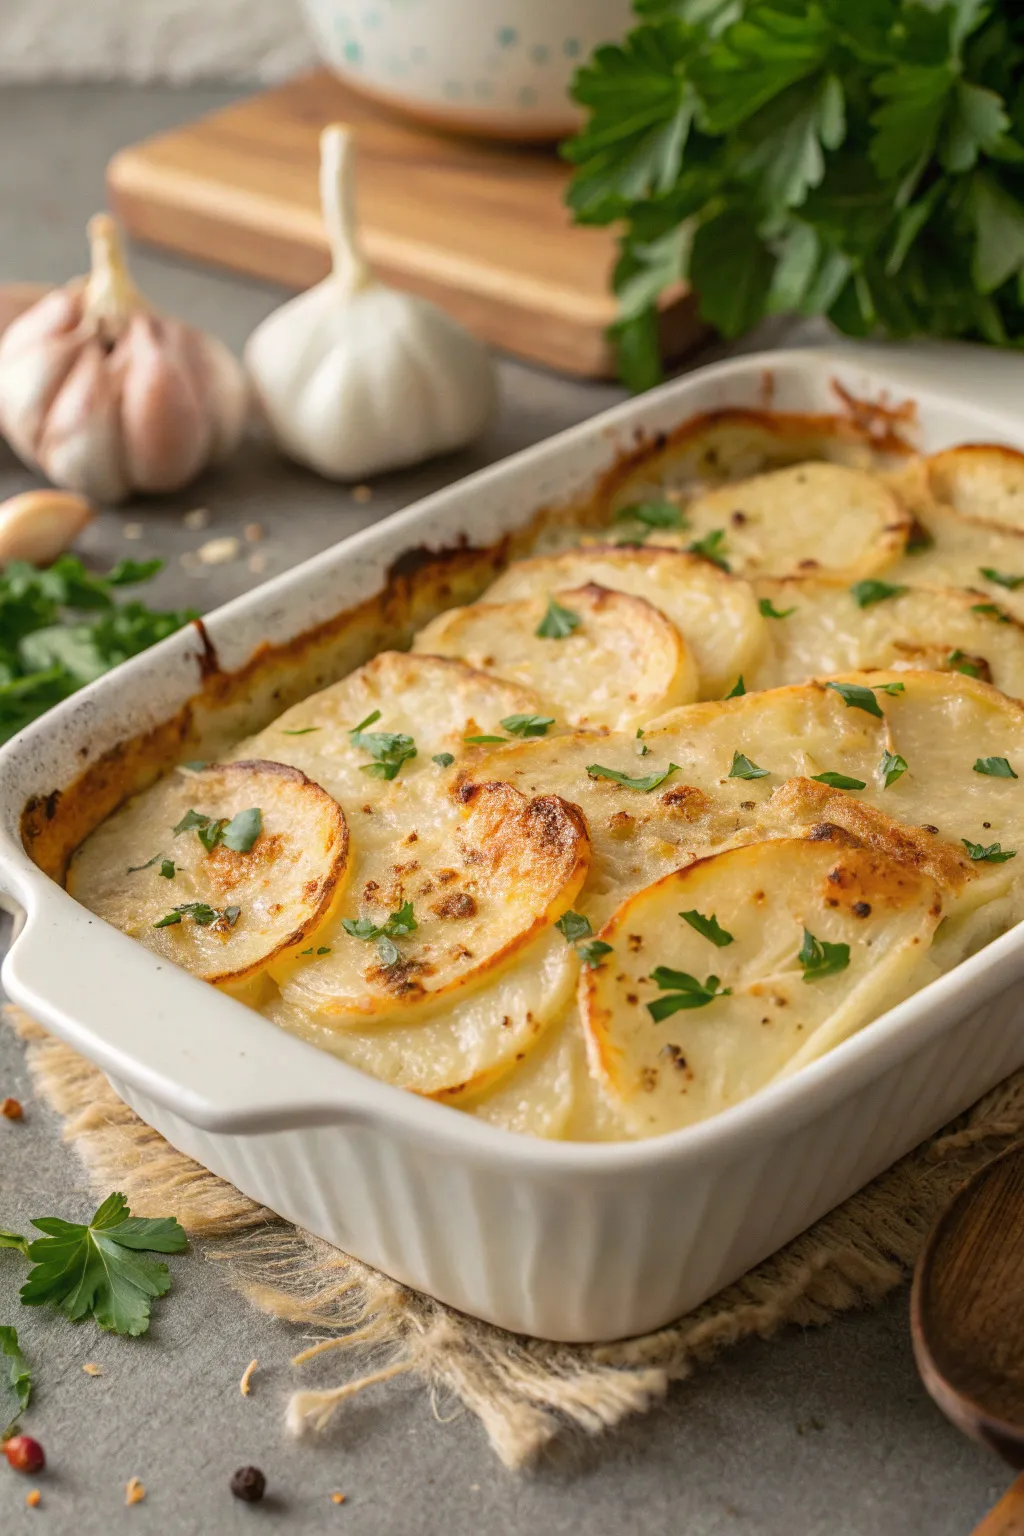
967 1320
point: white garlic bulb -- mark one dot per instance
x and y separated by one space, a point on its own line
355 377
105 396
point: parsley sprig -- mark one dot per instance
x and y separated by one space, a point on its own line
684 992
239 833
389 749
19 1378
819 958
397 926
642 782
558 623
202 914
708 928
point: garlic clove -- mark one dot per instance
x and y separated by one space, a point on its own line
80 443
40 525
15 298
166 430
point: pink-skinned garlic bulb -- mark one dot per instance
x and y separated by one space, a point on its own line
107 397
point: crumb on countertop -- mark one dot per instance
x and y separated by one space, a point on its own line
91 1369
337 1498
11 1109
253 532
246 1381
134 1491
218 551
362 493
133 530
199 517
34 1499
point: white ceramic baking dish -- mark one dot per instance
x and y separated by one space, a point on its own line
565 1241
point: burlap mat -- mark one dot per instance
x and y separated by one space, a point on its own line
525 1392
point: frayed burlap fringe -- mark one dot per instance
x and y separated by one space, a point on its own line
524 1391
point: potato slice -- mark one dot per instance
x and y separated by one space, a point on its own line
716 614
484 875
537 1097
461 1050
248 906
624 662
432 701
958 555
935 628
767 1016
983 482
822 518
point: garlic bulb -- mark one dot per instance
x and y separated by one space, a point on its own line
355 377
15 298
107 397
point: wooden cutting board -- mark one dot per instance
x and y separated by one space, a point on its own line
479 228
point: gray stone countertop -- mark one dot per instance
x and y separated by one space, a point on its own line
818 1433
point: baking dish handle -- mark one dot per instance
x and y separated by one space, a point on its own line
158 1033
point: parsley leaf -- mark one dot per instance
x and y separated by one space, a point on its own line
1001 579
819 958
390 749
558 622
892 767
98 1269
645 783
769 610
443 759
133 869
710 546
306 730
743 768
19 1377
992 611
995 767
993 854
396 926
738 689
652 514
684 992
838 781
856 696
573 926
961 662
243 829
593 952
528 725
708 928
865 593
481 741
201 913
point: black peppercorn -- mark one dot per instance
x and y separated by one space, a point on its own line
249 1485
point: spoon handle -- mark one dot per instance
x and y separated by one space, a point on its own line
1007 1518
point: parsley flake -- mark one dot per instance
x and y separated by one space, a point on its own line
856 696
644 783
769 610
133 869
738 689
684 990
97 1269
993 854
995 767
708 928
396 926
202 913
653 514
243 829
1001 579
558 622
820 959
892 767
710 546
167 869
992 610
574 926
838 781
961 662
743 768
481 741
528 725
389 749
306 730
443 759
593 952
19 1377
866 593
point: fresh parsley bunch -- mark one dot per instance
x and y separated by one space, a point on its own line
62 627
862 159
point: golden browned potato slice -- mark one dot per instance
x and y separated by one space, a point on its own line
537 1097
950 550
981 481
464 1044
623 662
460 888
811 942
808 518
267 876
716 614
424 705
827 630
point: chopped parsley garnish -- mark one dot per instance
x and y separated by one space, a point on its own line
202 913
961 662
820 959
166 866
993 854
743 768
995 767
865 593
390 749
892 767
396 926
99 1270
992 610
481 741
856 696
738 688
574 926
304 731
558 622
19 1377
528 725
653 514
838 781
443 759
238 834
593 952
684 991
769 610
1001 579
708 928
324 949
644 782
710 546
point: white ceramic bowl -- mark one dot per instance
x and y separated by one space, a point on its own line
495 67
